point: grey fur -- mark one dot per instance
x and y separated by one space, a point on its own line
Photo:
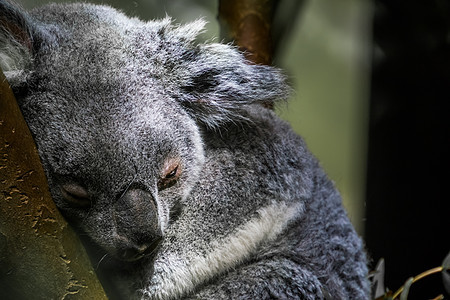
113 101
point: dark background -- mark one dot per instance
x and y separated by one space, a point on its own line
408 215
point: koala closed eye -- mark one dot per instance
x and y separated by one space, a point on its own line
170 174
76 195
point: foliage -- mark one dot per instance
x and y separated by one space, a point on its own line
380 293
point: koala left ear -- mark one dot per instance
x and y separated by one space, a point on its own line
218 81
16 38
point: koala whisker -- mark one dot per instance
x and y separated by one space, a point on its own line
101 259
126 188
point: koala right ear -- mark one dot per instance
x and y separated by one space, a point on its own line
16 38
219 82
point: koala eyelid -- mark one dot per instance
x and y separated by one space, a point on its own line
170 174
76 194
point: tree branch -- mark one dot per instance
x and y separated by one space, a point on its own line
248 23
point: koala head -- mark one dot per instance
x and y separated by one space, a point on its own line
118 108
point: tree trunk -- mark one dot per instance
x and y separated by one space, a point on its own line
40 256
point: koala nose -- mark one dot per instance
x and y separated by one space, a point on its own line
136 252
136 219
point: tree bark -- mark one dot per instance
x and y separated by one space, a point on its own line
248 23
40 256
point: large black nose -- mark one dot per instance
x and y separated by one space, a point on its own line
135 252
137 224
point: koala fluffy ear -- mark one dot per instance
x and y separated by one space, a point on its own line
16 38
219 81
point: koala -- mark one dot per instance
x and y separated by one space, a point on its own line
159 151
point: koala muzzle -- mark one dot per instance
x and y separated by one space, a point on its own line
137 225
136 252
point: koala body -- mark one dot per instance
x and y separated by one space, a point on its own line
158 150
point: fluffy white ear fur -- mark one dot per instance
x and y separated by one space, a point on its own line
215 81
15 39
13 55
